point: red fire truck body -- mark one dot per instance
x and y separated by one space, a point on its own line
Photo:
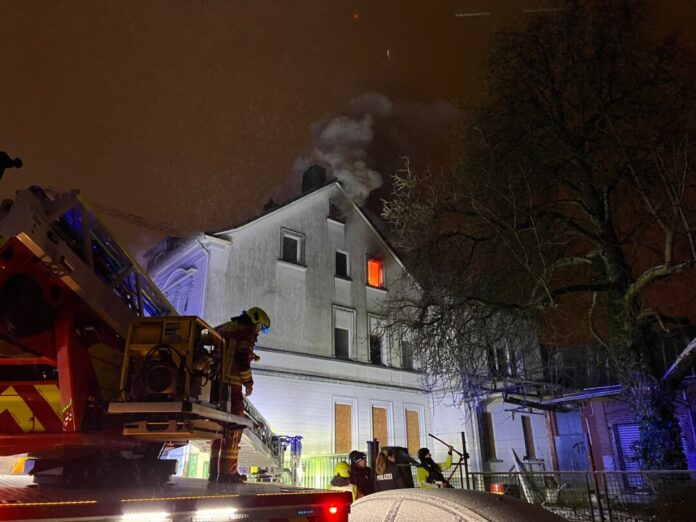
98 373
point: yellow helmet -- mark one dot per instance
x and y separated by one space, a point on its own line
259 317
343 469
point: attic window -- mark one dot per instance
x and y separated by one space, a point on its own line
375 272
292 247
335 212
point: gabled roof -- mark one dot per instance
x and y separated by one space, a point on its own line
305 197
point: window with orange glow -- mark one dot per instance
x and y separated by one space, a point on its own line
375 272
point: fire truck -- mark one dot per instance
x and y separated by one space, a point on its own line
98 373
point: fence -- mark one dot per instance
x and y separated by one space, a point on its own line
317 472
577 496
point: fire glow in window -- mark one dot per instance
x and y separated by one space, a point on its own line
375 272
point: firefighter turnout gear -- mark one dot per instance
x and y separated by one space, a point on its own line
341 480
259 318
240 335
430 473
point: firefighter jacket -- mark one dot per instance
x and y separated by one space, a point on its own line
343 484
390 479
432 478
240 337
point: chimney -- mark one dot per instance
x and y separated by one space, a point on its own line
313 178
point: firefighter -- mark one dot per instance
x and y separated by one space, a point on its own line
240 335
430 473
341 479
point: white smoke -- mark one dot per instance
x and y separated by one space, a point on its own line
371 127
342 143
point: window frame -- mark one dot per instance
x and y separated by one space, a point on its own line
420 410
381 261
489 449
351 332
386 405
353 403
374 324
347 257
297 236
528 436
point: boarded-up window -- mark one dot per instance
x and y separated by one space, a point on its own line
488 436
379 425
343 428
528 437
413 435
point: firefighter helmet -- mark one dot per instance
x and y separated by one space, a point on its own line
259 317
343 469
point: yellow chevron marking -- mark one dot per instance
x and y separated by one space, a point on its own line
21 413
51 393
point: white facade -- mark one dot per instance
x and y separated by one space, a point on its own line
317 352
299 378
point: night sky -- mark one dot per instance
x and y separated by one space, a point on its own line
193 113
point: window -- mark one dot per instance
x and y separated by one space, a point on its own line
342 344
335 212
407 362
342 265
378 342
376 349
488 436
413 437
380 428
343 428
375 272
344 320
501 361
292 247
528 437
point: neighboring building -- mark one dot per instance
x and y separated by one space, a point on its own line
328 371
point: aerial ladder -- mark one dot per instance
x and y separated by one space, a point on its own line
97 370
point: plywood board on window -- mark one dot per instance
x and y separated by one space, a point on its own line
379 425
343 416
413 434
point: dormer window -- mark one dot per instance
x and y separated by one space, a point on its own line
375 272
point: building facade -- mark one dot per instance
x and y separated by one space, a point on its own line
328 370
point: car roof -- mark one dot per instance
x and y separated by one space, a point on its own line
446 505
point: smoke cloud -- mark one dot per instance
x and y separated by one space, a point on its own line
370 135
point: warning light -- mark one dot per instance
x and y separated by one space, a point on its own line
498 489
356 16
333 510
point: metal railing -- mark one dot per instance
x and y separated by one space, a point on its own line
318 471
611 496
577 496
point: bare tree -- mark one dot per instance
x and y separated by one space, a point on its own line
573 199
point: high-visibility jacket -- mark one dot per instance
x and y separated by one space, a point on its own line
422 473
240 337
343 484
